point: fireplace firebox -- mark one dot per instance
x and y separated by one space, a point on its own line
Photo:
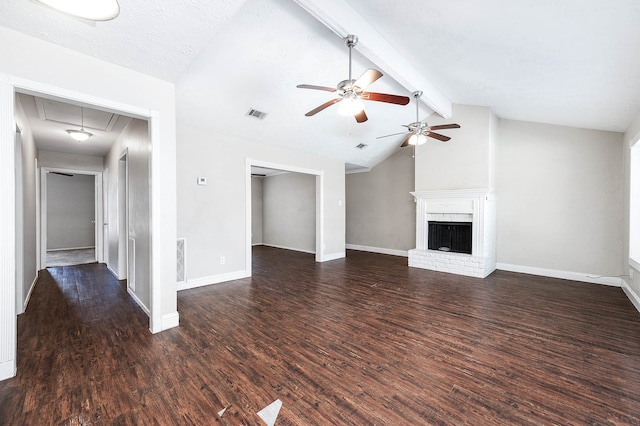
453 237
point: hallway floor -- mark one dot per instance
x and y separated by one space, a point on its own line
70 257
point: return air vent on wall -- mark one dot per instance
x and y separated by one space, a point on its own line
256 114
182 272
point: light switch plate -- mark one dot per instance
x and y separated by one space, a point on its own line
202 181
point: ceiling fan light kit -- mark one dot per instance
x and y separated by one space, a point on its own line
350 93
419 130
94 10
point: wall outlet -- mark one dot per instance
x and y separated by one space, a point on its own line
222 260
202 181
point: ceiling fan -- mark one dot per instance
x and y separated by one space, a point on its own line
418 130
351 92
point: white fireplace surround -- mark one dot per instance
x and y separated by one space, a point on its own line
462 205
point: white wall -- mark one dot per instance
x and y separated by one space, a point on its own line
289 211
381 212
256 210
65 160
212 218
70 211
135 140
560 198
465 161
82 78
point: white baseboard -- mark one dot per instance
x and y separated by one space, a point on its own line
71 248
139 302
394 252
114 273
567 275
7 369
632 295
288 248
213 279
331 256
26 300
170 320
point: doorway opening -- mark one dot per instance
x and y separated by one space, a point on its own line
309 203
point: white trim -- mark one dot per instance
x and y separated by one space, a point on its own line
632 295
26 300
7 369
393 252
170 320
114 273
213 279
455 193
8 335
139 302
566 275
360 170
289 248
333 256
634 264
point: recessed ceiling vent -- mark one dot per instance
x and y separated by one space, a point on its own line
361 146
256 114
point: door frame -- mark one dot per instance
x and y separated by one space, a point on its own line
9 85
98 210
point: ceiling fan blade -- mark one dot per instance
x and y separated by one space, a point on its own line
392 134
445 126
438 136
361 117
384 97
368 77
323 106
311 86
406 140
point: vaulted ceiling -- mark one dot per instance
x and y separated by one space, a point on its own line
573 63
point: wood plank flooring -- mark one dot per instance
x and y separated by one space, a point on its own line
359 341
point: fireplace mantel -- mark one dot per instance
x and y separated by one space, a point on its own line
472 205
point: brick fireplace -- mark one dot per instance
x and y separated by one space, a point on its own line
459 208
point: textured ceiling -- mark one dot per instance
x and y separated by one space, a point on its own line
574 62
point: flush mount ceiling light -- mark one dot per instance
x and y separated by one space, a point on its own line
93 10
80 135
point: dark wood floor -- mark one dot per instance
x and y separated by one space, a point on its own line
364 340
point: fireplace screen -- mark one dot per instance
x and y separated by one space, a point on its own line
450 236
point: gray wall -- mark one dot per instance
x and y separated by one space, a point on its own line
380 211
135 139
289 211
256 210
560 198
213 218
70 211
29 217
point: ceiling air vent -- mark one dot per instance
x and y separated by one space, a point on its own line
256 114
361 146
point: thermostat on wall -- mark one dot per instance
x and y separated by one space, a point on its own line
202 181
